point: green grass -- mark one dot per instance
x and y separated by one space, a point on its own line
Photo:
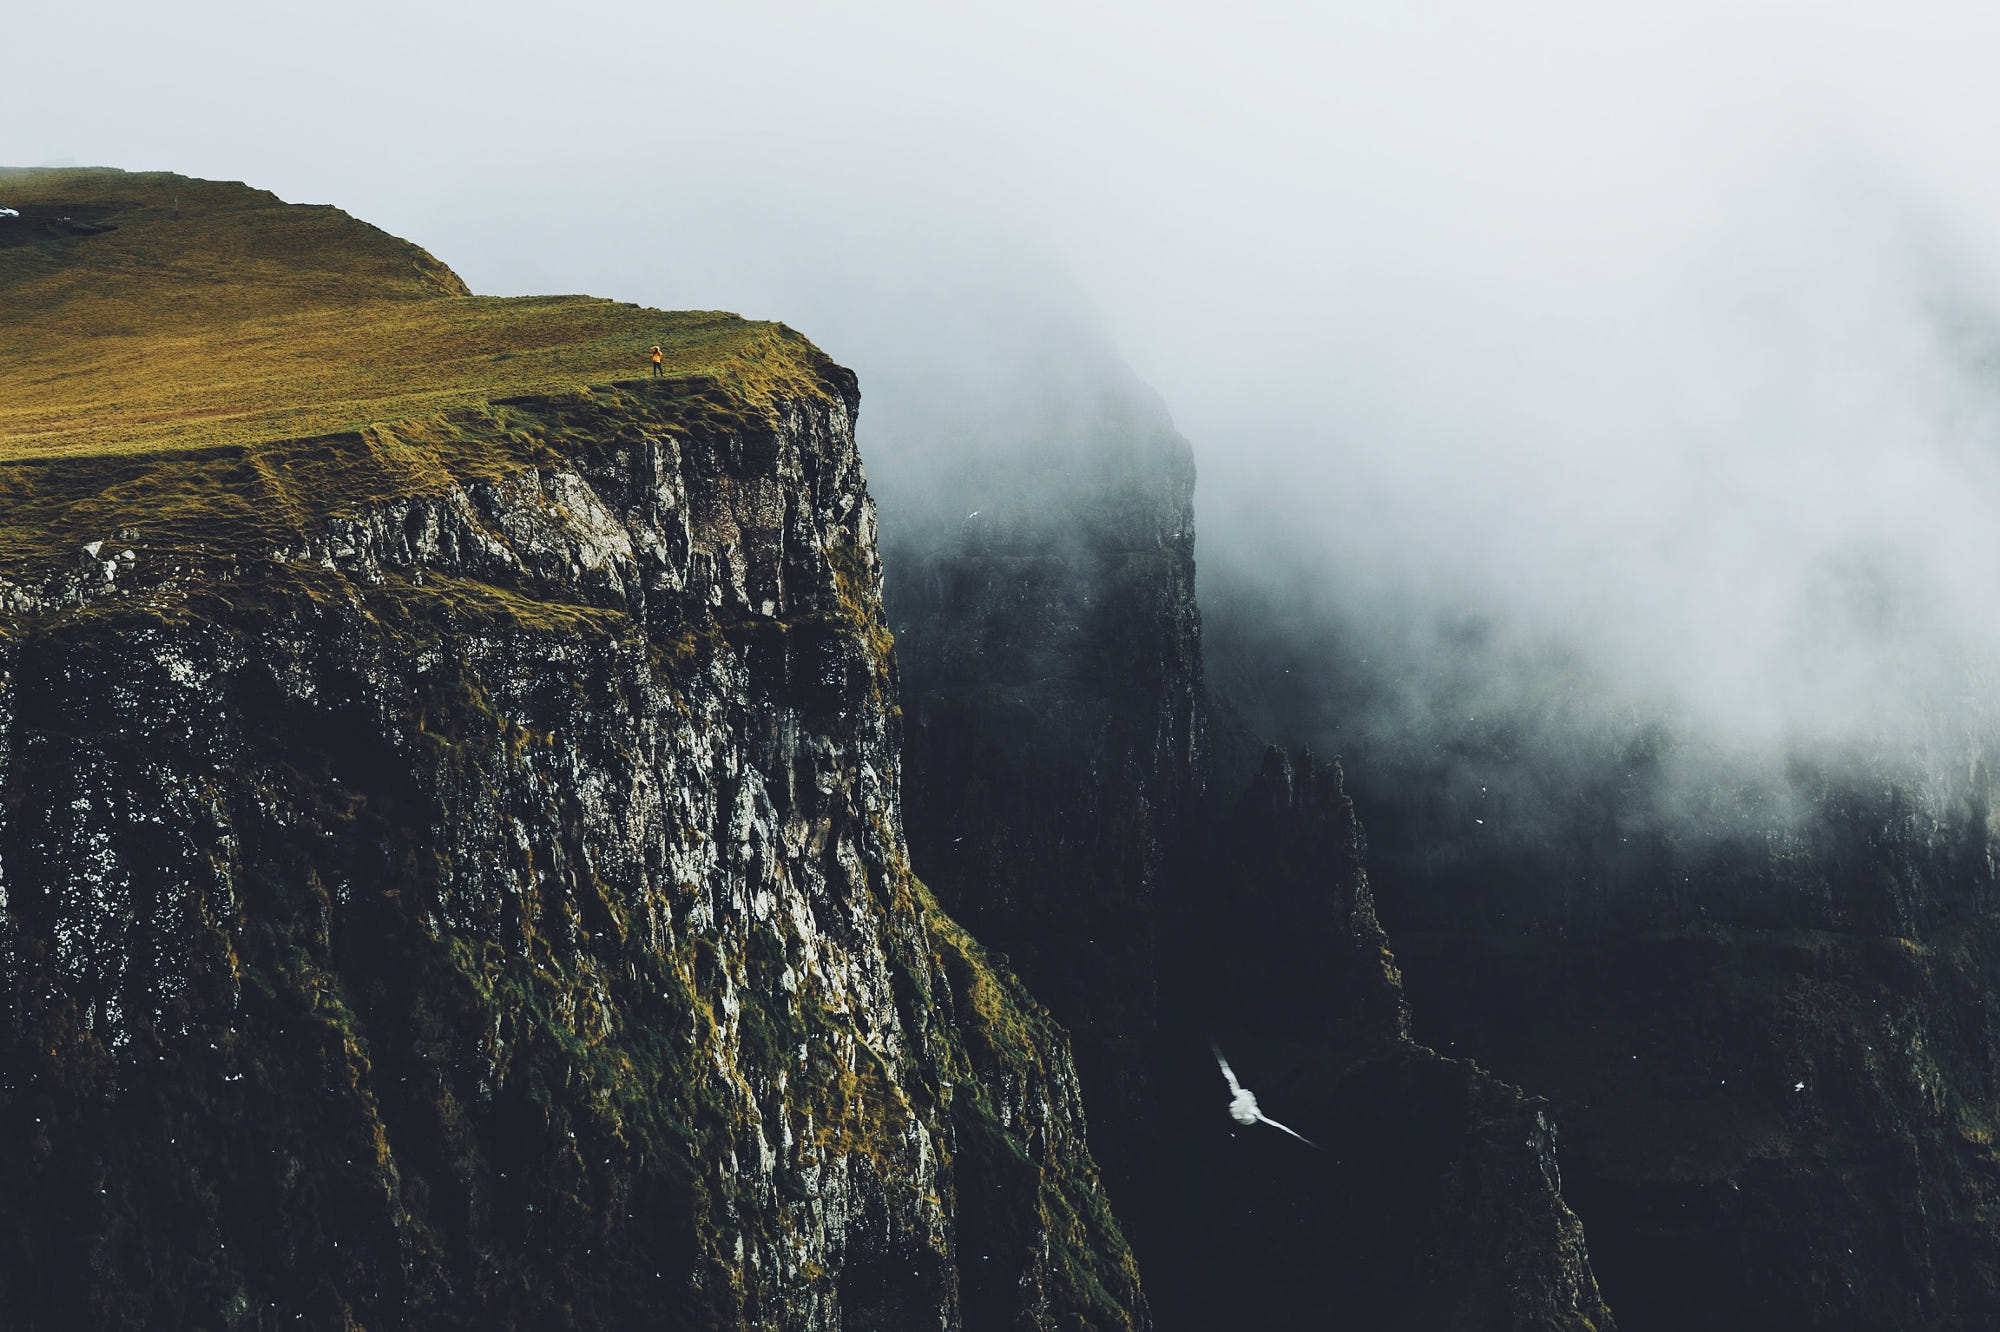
212 313
203 362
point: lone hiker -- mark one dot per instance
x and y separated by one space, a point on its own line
658 369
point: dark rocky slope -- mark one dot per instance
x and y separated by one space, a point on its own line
1761 1003
452 875
1779 1056
1069 801
1051 650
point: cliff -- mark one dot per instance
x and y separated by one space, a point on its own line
1081 800
1435 1199
451 859
1756 991
1051 649
1778 1053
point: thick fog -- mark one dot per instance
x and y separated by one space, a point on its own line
1563 357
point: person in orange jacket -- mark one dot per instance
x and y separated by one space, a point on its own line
659 369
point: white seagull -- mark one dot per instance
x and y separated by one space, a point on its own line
1243 1102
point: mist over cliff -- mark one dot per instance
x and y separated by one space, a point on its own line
1601 372
1661 343
1595 416
1728 486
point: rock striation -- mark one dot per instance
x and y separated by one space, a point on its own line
457 879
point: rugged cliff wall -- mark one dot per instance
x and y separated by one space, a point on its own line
1051 650
452 875
1779 1057
1065 799
1760 998
1434 1198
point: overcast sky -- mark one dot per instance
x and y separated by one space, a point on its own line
1669 328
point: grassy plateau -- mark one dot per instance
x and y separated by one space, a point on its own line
163 339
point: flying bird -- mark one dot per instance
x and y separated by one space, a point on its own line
1243 1102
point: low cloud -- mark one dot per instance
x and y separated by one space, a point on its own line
1661 345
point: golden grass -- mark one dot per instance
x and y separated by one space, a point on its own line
212 371
213 314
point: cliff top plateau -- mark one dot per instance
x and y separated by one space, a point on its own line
172 339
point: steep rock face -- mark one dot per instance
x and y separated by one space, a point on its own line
1055 739
1434 1199
1779 1057
1756 989
473 894
1065 800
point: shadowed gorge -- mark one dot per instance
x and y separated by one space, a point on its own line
1163 881
1757 992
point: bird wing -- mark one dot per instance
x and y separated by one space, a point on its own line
1234 1085
1294 1132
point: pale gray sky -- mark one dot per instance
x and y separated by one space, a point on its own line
1671 329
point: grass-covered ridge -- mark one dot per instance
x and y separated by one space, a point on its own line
210 370
146 312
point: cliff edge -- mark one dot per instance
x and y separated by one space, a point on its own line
451 859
